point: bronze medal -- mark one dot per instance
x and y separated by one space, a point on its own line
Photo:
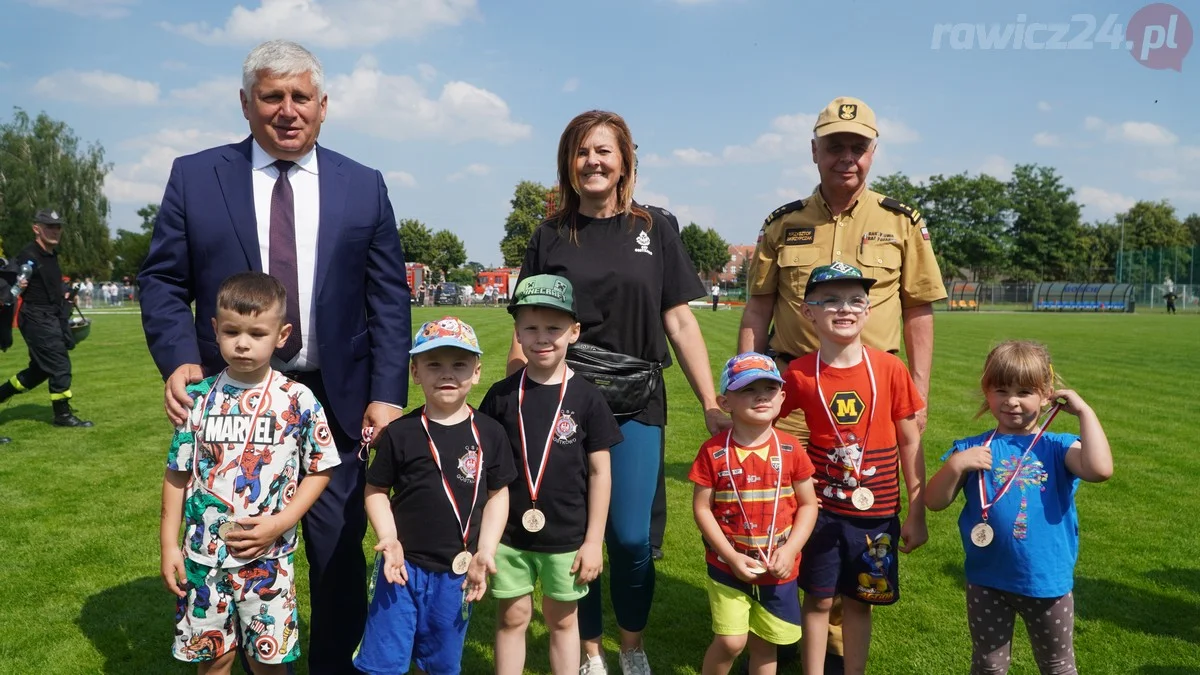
862 498
462 562
533 520
982 535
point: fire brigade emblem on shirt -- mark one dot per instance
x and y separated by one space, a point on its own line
565 428
643 242
776 463
468 464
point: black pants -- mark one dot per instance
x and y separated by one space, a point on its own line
715 297
48 358
333 532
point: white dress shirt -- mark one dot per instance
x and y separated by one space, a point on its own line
306 195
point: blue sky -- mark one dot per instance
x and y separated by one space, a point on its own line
458 100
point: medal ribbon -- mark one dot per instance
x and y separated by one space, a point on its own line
198 430
536 485
437 458
856 465
986 505
738 497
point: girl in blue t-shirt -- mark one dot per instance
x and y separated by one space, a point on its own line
1019 525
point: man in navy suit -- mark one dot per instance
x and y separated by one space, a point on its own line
321 223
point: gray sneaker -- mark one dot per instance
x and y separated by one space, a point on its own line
594 666
634 663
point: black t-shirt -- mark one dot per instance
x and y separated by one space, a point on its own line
46 287
585 426
625 274
425 522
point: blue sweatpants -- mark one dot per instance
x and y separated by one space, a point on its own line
635 464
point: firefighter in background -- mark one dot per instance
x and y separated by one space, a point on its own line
43 321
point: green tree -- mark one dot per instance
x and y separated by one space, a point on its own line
448 251
899 187
417 241
464 276
131 248
707 250
1192 223
1157 243
43 165
1045 230
967 218
528 211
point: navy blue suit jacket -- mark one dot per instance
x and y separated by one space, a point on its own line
206 230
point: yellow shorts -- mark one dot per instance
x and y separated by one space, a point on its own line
770 612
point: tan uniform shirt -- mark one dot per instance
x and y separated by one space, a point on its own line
882 237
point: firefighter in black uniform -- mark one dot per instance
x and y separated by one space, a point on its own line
43 322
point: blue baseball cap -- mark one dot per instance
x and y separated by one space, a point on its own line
748 367
447 331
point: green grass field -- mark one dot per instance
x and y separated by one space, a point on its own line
79 586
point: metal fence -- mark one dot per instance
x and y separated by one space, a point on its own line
1019 296
1176 264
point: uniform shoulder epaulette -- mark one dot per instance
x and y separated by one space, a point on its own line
895 205
783 210
660 210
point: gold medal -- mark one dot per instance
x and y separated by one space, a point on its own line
533 520
461 563
225 528
982 535
862 498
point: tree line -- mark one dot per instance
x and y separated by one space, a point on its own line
1028 227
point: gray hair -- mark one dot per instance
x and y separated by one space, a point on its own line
281 57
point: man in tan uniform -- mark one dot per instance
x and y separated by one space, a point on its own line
844 221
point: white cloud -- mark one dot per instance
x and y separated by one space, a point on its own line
572 84
219 91
1046 140
650 198
4 66
789 135
1165 175
694 157
788 194
427 72
805 174
996 167
331 23
1103 204
396 107
96 87
143 181
895 131
1044 106
704 216
470 170
1190 152
401 178
1138 133
105 9
653 160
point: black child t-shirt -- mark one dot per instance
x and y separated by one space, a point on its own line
425 522
626 273
585 425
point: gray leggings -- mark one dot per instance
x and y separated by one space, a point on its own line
1049 621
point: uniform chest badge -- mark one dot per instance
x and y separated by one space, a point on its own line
468 464
643 244
565 428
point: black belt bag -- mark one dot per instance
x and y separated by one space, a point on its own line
626 382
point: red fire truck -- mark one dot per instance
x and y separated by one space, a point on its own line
504 278
416 274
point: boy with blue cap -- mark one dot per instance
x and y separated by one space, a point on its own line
447 469
755 505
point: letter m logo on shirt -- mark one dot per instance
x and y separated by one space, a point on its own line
847 407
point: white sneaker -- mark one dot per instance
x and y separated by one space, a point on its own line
634 663
594 666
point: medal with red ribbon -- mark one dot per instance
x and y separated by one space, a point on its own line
862 497
982 534
533 520
765 555
462 561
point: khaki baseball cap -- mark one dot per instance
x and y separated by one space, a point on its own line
846 114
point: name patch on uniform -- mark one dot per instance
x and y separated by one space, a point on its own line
719 454
794 236
883 237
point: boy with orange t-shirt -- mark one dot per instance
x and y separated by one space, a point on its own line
860 406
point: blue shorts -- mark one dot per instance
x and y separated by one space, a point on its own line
424 620
852 557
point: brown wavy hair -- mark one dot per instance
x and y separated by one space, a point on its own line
1018 363
568 179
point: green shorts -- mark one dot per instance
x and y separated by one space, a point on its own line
518 571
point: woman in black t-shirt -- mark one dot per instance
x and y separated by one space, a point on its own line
633 281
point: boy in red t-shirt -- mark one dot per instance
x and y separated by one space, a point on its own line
755 505
860 405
